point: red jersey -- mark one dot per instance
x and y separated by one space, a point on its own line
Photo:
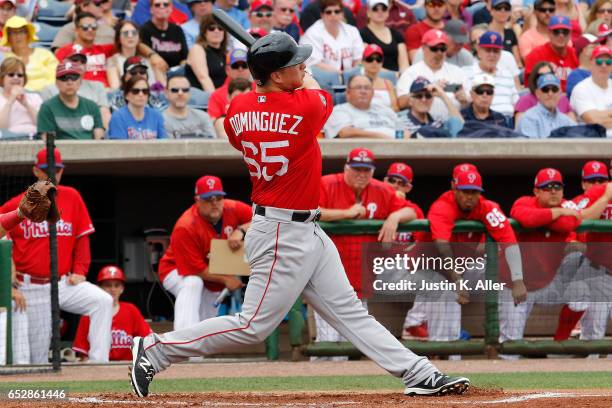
598 249
562 65
218 101
580 202
97 55
544 250
189 247
410 236
378 198
127 323
277 135
414 34
31 243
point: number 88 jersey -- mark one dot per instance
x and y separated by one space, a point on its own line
277 135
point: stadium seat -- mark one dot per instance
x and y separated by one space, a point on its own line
46 33
198 99
327 80
349 73
53 12
390 75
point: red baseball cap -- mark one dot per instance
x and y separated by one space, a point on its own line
41 159
402 171
111 272
434 37
548 176
66 68
76 52
372 49
257 4
463 167
594 170
208 186
600 50
468 180
361 157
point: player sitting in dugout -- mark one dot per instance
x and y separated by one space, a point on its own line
127 319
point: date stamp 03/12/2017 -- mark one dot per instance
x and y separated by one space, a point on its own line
32 394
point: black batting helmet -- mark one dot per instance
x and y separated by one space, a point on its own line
275 51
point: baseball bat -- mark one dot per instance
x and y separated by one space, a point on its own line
232 27
221 298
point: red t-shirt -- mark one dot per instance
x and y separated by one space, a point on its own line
277 135
218 103
543 250
562 65
378 198
30 240
598 248
127 323
97 55
414 34
190 240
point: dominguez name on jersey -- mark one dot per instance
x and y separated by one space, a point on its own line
265 122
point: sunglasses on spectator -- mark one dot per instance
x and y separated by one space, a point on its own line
550 88
69 77
20 30
552 187
373 58
422 95
503 7
239 65
561 31
335 11
438 48
161 5
492 50
361 87
484 91
549 10
287 10
380 7
212 199
15 74
604 11
435 3
88 27
177 90
136 91
397 180
138 71
261 14
601 61
129 33
214 28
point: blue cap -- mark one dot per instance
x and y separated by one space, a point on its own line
237 55
498 2
559 22
548 79
419 84
491 39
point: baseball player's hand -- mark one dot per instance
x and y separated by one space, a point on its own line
388 232
463 297
461 96
609 191
233 283
235 240
519 292
158 63
400 194
75 279
571 212
356 211
20 300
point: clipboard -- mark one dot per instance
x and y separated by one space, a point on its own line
223 261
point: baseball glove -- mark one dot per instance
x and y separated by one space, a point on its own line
38 204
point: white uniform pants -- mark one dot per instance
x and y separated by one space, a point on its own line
595 319
194 302
416 315
21 349
286 259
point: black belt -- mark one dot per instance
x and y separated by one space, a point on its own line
297 216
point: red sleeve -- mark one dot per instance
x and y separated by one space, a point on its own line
230 132
321 107
187 252
530 61
244 212
81 344
593 194
216 107
81 258
412 37
323 194
530 216
61 53
497 223
441 220
109 49
564 224
83 224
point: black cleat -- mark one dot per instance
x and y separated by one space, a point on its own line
142 371
439 384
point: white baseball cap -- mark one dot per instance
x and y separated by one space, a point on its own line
374 3
483 79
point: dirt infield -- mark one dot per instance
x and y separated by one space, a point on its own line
473 398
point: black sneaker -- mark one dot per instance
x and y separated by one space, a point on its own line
439 384
142 371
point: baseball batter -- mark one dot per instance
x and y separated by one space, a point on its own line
127 319
275 128
183 270
31 257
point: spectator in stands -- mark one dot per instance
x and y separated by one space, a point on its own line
67 34
312 13
569 9
359 117
231 8
108 17
235 87
19 34
136 120
180 120
435 69
481 92
384 90
418 120
97 54
127 40
165 38
134 66
583 48
283 18
434 18
207 58
123 5
142 12
8 9
600 9
528 101
501 11
236 68
18 109
537 35
260 14
489 50
67 114
337 46
127 319
539 121
592 98
390 41
506 60
556 51
199 9
482 15
456 54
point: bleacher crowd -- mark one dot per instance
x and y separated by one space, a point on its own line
152 69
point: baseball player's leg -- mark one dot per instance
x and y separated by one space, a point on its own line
88 299
595 321
21 349
444 319
188 293
38 301
512 318
207 304
325 332
416 315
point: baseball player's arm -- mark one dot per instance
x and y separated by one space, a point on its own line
446 251
351 213
9 221
594 211
231 282
81 260
237 236
388 231
515 264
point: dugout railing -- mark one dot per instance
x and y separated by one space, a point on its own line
488 345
